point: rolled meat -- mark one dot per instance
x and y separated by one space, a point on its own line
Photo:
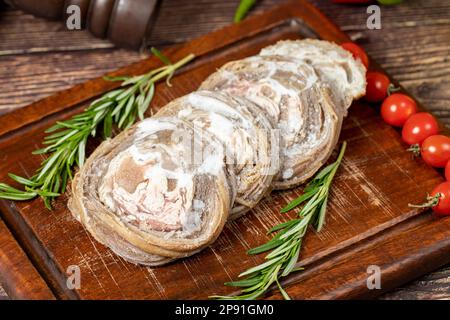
158 191
334 65
292 95
248 137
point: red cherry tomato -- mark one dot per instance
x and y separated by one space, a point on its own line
447 171
377 86
443 200
357 52
397 108
435 150
418 127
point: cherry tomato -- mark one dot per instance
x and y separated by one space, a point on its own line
397 108
443 200
377 86
418 127
447 171
357 52
435 150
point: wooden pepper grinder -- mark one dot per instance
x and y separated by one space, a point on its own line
124 22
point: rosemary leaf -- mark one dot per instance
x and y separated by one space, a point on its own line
322 213
107 125
145 104
265 247
22 180
296 202
243 283
282 226
287 245
292 260
283 293
260 267
132 80
17 196
118 108
160 55
324 172
81 152
128 107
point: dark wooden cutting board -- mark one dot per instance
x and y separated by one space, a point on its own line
368 223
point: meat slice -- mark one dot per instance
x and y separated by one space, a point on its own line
155 192
335 66
247 135
299 105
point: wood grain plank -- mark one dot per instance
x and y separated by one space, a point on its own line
200 46
203 16
18 275
36 76
421 24
424 72
389 251
373 202
23 33
436 285
413 46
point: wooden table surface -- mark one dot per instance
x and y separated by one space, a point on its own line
38 58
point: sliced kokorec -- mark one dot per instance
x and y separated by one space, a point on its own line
335 66
158 191
248 137
295 100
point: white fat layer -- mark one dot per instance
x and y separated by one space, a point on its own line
149 125
211 165
213 105
185 112
152 204
164 199
310 77
288 173
221 126
234 130
312 140
289 117
331 62
299 137
143 157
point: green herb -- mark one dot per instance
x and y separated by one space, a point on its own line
389 2
243 9
392 89
65 142
286 244
432 201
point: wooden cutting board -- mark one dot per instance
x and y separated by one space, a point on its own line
368 222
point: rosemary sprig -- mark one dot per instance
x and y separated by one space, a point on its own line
65 142
285 246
